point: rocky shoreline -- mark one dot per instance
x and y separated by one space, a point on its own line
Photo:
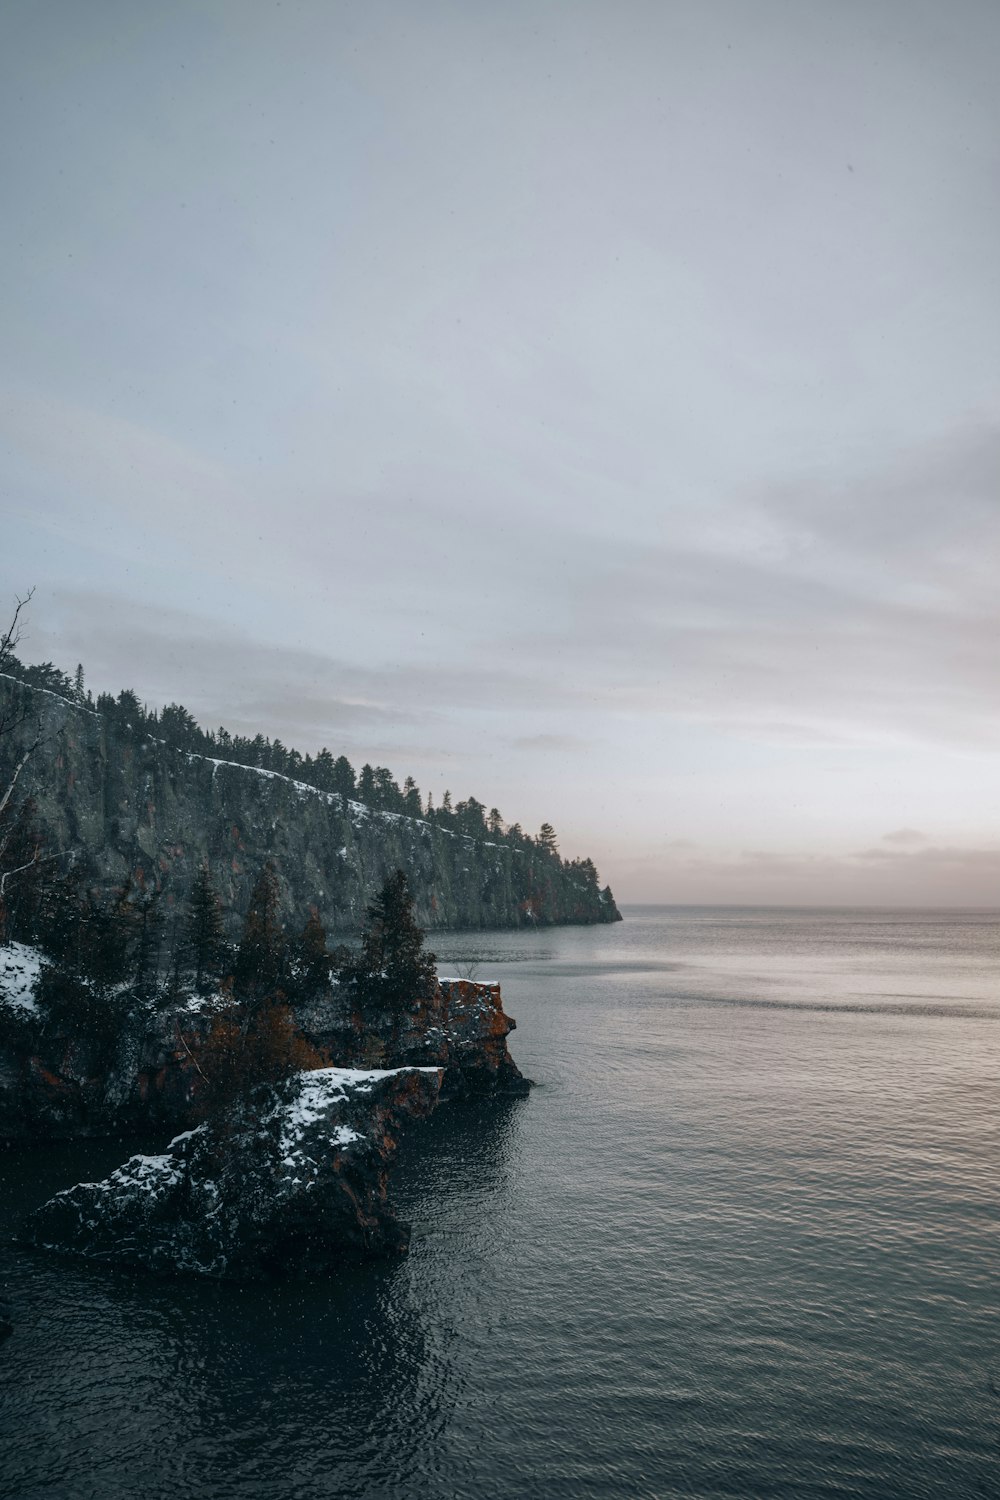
67 1086
291 1183
292 1180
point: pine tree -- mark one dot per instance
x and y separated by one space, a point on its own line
310 959
204 937
20 872
393 969
323 767
262 960
411 798
547 839
254 1039
343 779
147 921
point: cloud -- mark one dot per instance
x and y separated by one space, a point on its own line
567 743
865 615
905 836
590 454
937 876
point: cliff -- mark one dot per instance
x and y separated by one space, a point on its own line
136 807
61 1081
292 1183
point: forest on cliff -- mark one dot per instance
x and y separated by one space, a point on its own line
139 799
374 786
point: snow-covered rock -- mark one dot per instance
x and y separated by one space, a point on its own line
462 1027
291 1183
20 966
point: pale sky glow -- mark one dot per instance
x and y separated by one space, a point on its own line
592 407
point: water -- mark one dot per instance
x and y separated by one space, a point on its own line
742 1240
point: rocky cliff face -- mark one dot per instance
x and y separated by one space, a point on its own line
293 1183
462 1029
139 808
61 1084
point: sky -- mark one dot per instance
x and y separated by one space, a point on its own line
590 407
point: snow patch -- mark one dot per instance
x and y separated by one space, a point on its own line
457 979
150 1174
319 1090
20 966
72 703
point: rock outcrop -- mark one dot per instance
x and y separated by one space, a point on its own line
461 1028
140 809
56 1083
291 1183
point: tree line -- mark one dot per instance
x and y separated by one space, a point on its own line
373 786
107 967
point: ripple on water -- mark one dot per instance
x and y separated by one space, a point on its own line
741 1240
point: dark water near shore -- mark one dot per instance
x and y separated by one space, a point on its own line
742 1240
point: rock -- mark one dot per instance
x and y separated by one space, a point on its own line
63 1085
291 1183
462 1028
56 1087
139 808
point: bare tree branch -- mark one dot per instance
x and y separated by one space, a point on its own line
187 1049
37 859
12 634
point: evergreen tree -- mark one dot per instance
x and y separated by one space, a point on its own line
108 938
322 770
393 969
147 922
204 937
254 1038
546 840
20 873
387 793
261 962
411 798
310 962
343 779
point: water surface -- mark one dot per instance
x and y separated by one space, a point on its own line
742 1240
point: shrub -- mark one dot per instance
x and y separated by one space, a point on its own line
245 1048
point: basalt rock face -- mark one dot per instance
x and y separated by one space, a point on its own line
61 1085
461 1028
137 807
292 1183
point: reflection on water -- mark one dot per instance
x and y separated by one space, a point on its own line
724 1249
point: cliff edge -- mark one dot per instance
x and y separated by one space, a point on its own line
138 808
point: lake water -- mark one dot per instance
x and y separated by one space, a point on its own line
743 1240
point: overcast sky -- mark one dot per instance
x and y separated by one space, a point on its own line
592 407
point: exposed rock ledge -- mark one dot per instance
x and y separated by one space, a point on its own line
62 1086
291 1184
